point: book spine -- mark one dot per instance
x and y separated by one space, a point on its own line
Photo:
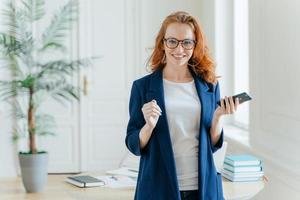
235 164
242 169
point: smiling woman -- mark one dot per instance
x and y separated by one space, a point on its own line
174 117
197 53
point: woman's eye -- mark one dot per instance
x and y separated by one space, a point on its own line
172 41
188 42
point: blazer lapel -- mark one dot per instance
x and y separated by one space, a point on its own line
205 92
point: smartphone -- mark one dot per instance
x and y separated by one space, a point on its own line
243 97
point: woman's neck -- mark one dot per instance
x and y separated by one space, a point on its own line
177 74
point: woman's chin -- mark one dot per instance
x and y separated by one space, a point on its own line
179 63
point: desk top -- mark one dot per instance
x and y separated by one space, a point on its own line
241 190
57 188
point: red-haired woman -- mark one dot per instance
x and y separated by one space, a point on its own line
174 120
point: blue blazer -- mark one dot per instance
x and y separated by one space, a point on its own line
157 179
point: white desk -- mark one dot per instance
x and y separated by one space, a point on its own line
57 189
241 190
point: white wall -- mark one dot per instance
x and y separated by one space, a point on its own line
241 59
274 81
8 159
224 42
216 17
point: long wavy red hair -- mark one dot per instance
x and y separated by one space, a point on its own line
200 62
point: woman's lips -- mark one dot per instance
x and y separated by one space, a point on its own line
178 57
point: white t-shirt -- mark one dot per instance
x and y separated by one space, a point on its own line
183 111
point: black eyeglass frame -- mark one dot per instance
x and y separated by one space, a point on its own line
181 42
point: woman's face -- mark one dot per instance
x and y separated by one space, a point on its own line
180 55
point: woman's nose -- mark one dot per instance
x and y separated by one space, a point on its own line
179 48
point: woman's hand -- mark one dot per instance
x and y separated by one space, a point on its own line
228 106
151 112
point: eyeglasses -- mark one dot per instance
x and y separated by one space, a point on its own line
173 43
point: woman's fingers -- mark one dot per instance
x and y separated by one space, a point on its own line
222 104
152 114
155 115
227 105
151 108
237 103
154 104
232 105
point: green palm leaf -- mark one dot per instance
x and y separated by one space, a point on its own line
56 32
33 10
9 89
14 21
45 124
9 44
8 66
67 92
62 66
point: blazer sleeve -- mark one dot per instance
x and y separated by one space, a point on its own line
136 121
219 143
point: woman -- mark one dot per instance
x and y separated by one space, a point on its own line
174 120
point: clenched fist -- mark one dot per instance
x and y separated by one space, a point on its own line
151 112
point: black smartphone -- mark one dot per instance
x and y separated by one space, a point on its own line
243 97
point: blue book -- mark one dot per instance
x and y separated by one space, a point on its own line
242 160
253 168
243 174
242 179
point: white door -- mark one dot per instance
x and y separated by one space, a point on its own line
104 107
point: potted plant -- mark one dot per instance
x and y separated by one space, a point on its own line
36 76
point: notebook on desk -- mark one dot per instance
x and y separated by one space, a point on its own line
85 181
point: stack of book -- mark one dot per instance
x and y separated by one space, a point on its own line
240 168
